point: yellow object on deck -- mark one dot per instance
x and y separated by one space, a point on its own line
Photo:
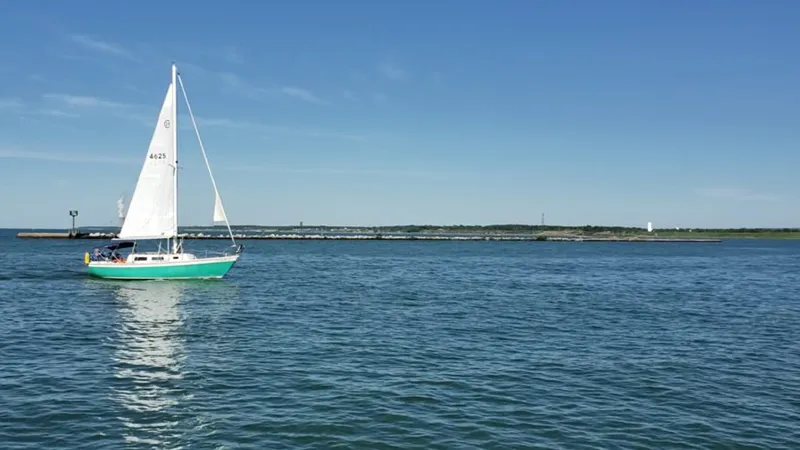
86 258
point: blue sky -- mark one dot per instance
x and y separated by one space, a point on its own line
372 113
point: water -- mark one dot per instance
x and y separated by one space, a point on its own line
314 344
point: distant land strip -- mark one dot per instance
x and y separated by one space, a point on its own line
585 230
504 232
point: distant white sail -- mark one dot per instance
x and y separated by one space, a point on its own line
152 212
121 208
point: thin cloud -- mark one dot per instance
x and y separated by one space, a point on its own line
228 80
349 96
133 88
149 120
233 82
232 55
73 104
18 106
63 157
11 103
404 173
326 134
192 69
56 113
392 72
102 46
84 59
228 54
225 123
736 194
79 101
302 94
278 129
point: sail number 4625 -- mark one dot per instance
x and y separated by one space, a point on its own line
158 156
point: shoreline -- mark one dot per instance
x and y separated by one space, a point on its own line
452 232
384 237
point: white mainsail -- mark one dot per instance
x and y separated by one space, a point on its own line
152 213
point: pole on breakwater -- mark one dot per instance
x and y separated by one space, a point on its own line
73 213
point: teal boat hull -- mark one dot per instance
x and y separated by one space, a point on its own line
202 268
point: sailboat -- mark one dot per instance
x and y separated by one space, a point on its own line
153 213
121 210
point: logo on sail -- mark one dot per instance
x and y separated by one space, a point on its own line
166 123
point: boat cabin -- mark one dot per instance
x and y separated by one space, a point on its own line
111 253
138 258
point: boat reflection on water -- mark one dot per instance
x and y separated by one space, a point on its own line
149 361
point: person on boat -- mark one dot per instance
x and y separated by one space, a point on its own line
96 254
116 257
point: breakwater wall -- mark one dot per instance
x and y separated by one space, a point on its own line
385 237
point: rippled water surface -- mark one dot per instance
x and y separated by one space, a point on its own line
424 345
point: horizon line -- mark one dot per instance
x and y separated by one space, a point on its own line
493 225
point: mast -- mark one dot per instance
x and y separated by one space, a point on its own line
174 122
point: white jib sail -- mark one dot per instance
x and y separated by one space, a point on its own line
219 211
152 211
